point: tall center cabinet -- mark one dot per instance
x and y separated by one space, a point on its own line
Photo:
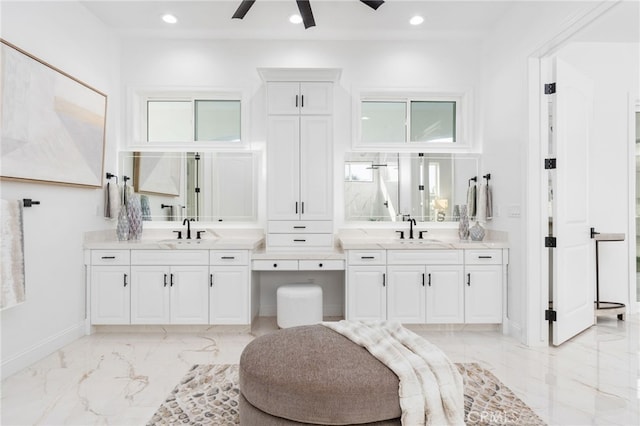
300 159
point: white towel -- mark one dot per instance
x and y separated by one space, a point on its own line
471 201
489 203
12 250
481 211
111 201
431 389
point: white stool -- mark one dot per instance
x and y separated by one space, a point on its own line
299 304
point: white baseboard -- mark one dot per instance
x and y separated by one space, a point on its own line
328 311
42 349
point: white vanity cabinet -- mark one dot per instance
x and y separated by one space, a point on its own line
425 286
169 287
110 287
299 165
483 286
229 287
366 286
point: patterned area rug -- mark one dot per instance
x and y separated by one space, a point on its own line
208 395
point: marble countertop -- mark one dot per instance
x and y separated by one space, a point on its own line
164 239
386 239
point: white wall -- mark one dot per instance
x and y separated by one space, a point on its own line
613 68
54 311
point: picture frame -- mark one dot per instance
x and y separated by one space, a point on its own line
53 125
158 173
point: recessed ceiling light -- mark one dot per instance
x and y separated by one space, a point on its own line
169 18
416 20
295 19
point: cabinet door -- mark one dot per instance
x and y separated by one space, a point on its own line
316 168
483 294
229 299
316 98
445 294
189 295
283 98
110 295
405 294
150 294
366 293
283 168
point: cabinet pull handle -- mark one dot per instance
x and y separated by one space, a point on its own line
384 279
210 280
320 265
302 211
367 257
299 227
108 257
125 280
302 103
296 207
429 280
165 280
275 265
299 241
228 257
485 257
296 101
469 280
422 280
171 285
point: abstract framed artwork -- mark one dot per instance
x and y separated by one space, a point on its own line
157 172
53 125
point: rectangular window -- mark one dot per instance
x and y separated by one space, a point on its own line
169 121
217 120
433 121
383 122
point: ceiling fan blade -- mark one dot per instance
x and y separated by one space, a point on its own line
373 4
307 15
243 9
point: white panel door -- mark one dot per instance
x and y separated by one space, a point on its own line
229 298
316 98
316 168
110 295
573 258
283 168
445 294
366 293
283 98
406 294
150 294
483 294
189 295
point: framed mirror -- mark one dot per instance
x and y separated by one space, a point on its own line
205 186
386 186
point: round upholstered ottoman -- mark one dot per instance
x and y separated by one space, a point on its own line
314 375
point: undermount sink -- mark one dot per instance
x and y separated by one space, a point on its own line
422 241
183 241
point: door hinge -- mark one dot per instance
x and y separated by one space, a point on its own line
549 163
550 241
420 187
549 89
197 190
550 315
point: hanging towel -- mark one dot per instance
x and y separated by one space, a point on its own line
489 203
12 285
481 211
111 201
146 208
471 201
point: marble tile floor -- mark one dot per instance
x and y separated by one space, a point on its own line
115 378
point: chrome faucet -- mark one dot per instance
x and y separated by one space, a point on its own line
188 223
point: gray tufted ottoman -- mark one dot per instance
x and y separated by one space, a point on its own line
314 375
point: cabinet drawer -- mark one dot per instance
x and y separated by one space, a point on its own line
367 257
321 265
169 257
109 257
230 257
275 265
422 257
300 240
301 226
483 257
